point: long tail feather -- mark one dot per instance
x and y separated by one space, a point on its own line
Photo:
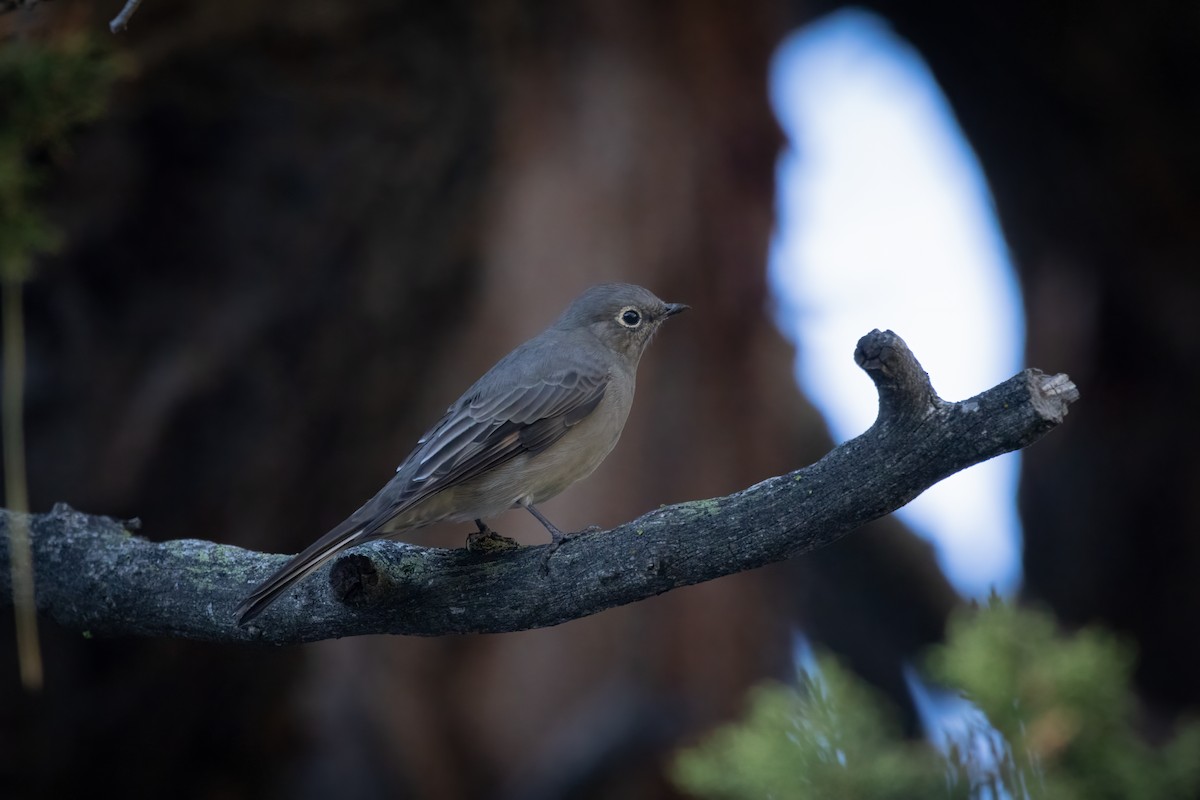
299 568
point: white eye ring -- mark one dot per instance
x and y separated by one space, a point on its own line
629 317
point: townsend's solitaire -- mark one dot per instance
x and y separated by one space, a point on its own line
544 417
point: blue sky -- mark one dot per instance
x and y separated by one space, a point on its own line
886 221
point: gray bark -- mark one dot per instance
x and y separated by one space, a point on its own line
96 577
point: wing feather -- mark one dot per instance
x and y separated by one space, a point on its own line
486 429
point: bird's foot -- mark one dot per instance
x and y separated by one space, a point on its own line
486 541
556 541
557 538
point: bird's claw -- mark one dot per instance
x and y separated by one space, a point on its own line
486 541
555 542
558 539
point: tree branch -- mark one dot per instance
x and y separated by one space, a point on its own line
95 576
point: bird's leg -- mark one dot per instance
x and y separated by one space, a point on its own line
486 540
557 537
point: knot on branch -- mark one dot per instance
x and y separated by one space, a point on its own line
356 582
392 571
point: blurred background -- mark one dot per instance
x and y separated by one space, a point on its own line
299 230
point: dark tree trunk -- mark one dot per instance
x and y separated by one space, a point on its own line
1086 119
300 232
304 228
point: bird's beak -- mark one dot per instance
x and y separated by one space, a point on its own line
675 308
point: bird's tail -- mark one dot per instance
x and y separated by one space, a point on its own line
299 568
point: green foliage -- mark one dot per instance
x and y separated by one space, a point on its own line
1060 706
831 737
45 91
1064 705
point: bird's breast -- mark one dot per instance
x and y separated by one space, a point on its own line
582 448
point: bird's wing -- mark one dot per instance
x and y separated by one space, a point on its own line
489 425
486 428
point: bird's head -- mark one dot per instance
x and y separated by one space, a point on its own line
622 316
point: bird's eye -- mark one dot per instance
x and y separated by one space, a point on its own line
630 317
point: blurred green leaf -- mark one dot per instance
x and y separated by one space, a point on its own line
1060 705
1064 704
828 737
46 90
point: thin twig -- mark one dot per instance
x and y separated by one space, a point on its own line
120 21
16 494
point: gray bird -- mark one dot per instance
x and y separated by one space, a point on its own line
542 418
